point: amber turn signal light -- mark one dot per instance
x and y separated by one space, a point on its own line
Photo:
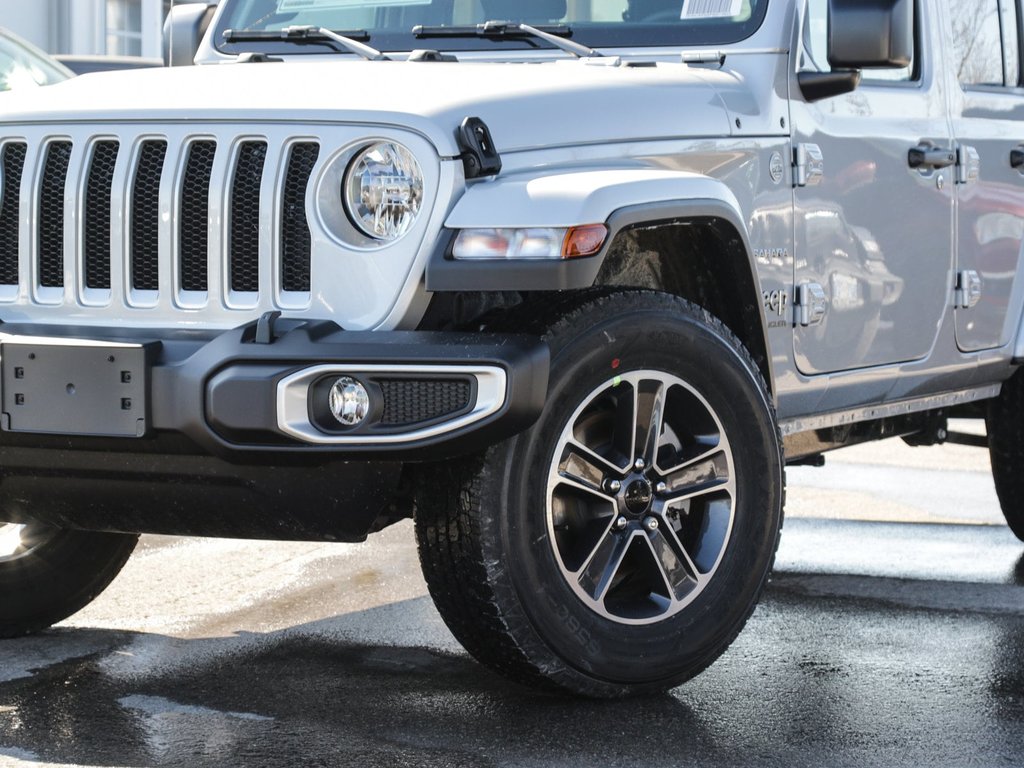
584 241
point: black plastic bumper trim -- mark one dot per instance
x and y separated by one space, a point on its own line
220 391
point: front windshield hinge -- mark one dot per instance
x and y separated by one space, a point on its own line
704 58
479 156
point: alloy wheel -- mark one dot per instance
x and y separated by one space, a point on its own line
641 497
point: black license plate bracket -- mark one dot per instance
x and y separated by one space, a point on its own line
84 388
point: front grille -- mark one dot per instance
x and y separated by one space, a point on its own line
10 211
195 216
141 222
414 401
245 217
295 238
97 214
145 243
51 214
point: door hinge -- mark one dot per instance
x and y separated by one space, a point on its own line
808 165
968 164
811 304
968 289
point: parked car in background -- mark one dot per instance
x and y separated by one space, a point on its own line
24 65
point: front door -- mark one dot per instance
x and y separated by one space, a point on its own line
874 236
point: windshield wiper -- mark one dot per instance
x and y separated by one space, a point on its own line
512 29
299 35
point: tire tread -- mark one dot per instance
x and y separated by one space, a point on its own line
1005 426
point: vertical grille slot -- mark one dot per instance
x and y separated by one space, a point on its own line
51 214
145 235
296 241
245 217
97 214
10 211
194 225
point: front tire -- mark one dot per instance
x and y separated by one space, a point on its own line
1005 427
48 574
619 545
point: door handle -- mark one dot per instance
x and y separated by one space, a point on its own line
925 157
1017 157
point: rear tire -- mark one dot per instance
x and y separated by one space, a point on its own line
1005 425
48 574
608 583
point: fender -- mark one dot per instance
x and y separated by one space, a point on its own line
621 199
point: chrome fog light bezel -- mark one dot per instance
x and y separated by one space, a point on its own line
298 394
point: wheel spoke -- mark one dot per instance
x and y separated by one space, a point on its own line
649 410
571 482
597 575
704 474
677 568
700 458
584 467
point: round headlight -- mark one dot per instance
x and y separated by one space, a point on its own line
383 191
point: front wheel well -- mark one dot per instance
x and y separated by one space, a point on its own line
703 260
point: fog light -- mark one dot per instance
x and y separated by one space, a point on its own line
350 402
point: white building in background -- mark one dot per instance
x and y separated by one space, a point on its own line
89 27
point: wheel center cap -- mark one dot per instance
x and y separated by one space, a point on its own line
639 496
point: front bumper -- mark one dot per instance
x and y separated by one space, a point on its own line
224 442
262 388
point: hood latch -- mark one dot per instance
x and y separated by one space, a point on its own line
478 153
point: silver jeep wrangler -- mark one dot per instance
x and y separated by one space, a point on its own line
570 282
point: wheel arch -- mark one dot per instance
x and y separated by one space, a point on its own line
702 252
697 250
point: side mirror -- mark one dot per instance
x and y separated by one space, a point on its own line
862 34
184 30
870 34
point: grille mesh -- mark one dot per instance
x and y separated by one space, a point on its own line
51 214
97 214
412 401
295 236
245 217
10 215
145 237
194 229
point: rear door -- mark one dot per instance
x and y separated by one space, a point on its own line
874 236
988 124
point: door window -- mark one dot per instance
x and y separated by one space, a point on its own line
985 45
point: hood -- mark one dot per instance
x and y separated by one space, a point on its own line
526 106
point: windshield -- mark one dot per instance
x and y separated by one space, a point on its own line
24 65
389 24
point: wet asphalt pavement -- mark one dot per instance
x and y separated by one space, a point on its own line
878 643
